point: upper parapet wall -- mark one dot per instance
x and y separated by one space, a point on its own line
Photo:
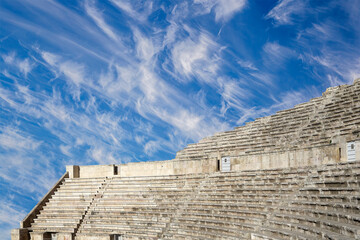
322 121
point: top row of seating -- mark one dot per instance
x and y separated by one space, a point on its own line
313 123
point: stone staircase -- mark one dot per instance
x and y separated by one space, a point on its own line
67 206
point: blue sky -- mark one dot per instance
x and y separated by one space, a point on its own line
117 81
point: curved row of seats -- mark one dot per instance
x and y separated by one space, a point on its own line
304 203
313 123
136 206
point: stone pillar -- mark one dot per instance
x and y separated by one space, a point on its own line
20 234
36 236
73 170
357 150
64 236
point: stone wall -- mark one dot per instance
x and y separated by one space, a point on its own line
96 171
331 153
311 156
146 169
90 171
285 159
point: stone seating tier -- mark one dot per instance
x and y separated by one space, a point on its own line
297 203
313 123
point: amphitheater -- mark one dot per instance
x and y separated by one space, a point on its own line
292 175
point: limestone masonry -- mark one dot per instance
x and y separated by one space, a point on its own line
292 175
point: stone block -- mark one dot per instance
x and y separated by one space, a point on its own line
92 237
36 236
64 236
20 234
96 171
357 150
73 171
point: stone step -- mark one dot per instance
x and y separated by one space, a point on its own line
70 208
59 215
343 207
187 233
275 231
128 233
308 232
153 217
56 220
320 218
52 229
330 190
58 224
103 228
237 232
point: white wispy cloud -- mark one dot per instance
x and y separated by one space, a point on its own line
187 53
224 9
233 94
263 78
134 84
24 65
171 33
139 139
97 17
103 156
276 52
151 147
73 72
81 38
9 58
18 149
65 149
11 138
341 65
10 215
92 128
138 11
155 99
196 56
144 46
247 64
285 11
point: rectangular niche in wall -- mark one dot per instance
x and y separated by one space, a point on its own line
116 237
49 236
